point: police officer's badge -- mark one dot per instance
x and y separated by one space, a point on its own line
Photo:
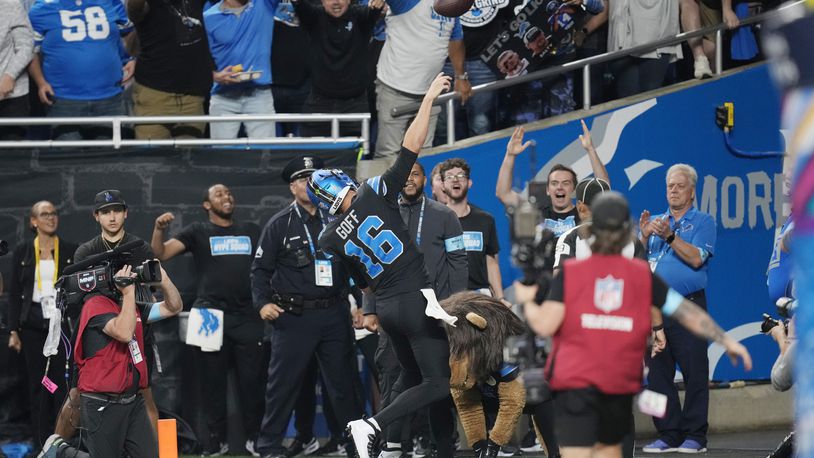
309 162
608 293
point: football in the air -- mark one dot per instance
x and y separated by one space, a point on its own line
452 8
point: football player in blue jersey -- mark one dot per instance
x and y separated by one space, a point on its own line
370 237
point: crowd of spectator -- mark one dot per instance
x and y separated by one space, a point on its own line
192 57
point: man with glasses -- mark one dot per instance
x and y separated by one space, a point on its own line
480 235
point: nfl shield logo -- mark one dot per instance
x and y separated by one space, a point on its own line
608 293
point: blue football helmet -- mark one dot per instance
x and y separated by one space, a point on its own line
327 188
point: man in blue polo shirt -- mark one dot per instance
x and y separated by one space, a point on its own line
80 62
239 33
679 244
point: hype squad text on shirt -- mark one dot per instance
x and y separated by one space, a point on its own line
230 244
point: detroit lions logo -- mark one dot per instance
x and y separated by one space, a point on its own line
210 323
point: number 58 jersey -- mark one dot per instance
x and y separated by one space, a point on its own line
372 239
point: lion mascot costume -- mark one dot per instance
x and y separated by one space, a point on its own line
479 375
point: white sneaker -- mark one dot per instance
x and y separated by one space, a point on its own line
364 435
702 68
250 448
311 447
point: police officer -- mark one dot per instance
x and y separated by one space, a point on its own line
598 306
303 294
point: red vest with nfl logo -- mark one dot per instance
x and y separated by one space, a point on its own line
111 369
603 337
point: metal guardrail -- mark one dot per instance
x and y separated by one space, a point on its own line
585 64
116 123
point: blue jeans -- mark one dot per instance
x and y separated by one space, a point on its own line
257 101
67 108
480 108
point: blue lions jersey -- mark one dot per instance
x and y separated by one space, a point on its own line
372 240
81 46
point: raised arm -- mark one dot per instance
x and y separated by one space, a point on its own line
172 247
597 166
417 132
503 188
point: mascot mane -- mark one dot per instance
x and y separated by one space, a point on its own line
484 325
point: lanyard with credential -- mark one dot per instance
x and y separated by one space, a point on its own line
37 260
307 232
420 221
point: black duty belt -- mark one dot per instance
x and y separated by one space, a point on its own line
287 301
112 398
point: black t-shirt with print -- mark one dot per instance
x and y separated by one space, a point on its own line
372 239
223 259
174 55
480 240
559 223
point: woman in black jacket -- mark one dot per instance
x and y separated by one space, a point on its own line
36 266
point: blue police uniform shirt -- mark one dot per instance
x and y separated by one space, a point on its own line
243 38
778 275
81 46
695 228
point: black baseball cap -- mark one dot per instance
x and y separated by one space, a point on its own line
589 188
531 34
108 198
610 211
302 166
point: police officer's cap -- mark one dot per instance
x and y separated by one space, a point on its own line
301 166
610 211
589 188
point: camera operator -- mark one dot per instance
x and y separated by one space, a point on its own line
786 338
110 211
602 306
112 369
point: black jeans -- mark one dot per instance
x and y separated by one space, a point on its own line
44 406
111 428
421 346
243 349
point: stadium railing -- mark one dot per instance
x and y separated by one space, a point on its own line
789 9
117 122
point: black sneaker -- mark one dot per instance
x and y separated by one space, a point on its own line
529 442
216 450
302 447
331 448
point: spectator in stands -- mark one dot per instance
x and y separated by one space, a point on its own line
480 233
561 215
290 69
240 33
480 25
81 63
16 50
418 42
698 14
637 22
591 39
555 47
174 71
340 33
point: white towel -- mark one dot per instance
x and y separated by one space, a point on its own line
434 309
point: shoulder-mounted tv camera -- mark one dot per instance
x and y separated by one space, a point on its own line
97 275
